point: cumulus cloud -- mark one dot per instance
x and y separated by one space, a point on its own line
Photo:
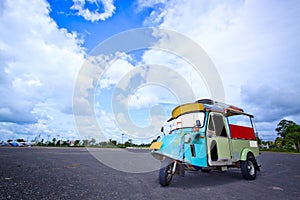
276 102
118 69
253 44
127 95
142 99
107 125
184 71
81 7
39 63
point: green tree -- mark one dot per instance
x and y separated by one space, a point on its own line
92 142
85 142
282 125
279 141
154 140
128 143
292 133
53 140
76 143
103 144
114 142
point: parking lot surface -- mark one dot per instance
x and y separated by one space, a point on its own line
73 173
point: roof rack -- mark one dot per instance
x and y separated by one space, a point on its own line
219 104
207 104
205 101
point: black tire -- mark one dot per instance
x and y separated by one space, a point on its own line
165 175
205 170
248 167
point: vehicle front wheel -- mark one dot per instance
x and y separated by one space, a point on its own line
205 170
165 175
248 168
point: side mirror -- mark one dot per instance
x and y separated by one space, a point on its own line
162 130
198 123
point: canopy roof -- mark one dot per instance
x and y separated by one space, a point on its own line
207 105
186 108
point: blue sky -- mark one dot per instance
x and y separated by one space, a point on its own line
254 46
125 17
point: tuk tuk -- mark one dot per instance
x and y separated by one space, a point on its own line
207 135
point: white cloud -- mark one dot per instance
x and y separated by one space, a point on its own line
150 3
142 91
253 44
87 14
150 95
116 70
38 67
180 66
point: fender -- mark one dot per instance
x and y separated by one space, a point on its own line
244 153
166 161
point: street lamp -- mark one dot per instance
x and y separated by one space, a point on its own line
122 139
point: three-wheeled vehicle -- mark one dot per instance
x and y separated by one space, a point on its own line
207 135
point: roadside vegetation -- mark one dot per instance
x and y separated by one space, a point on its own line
54 142
288 139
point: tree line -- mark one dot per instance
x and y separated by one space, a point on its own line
84 143
288 139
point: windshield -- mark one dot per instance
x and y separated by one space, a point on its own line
188 120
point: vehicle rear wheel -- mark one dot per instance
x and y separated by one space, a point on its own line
248 168
165 175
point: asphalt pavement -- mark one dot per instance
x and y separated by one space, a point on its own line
76 173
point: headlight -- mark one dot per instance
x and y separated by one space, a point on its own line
187 138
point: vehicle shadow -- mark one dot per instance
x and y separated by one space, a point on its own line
200 179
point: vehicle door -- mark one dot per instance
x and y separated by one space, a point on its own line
218 145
